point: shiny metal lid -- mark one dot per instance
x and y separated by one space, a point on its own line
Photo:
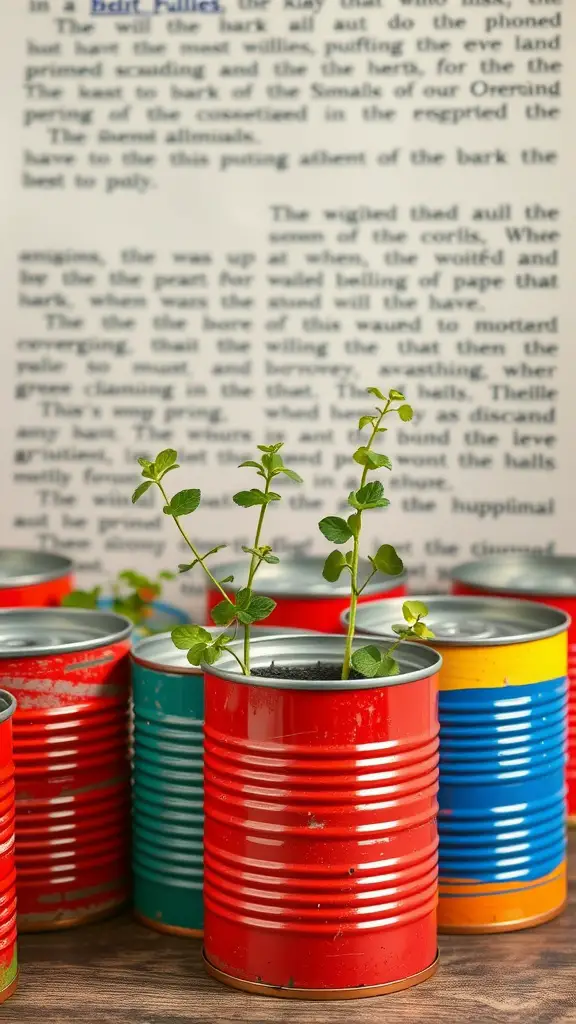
30 632
532 575
20 568
466 621
158 651
300 577
416 661
7 705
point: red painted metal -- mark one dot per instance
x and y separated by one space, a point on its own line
8 950
317 613
320 834
72 784
30 579
568 605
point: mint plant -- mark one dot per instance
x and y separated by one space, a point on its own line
368 661
133 595
247 607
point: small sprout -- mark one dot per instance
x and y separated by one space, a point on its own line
247 607
133 595
371 662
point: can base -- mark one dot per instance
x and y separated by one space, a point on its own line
168 929
365 992
505 926
30 923
10 990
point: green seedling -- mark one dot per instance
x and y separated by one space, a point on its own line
246 607
368 661
133 595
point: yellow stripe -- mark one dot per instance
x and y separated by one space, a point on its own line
510 665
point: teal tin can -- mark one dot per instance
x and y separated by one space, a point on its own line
167 791
168 785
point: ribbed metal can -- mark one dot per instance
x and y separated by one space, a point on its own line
502 815
304 599
33 579
320 843
8 936
70 673
547 578
168 787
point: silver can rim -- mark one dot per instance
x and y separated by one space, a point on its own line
321 590
323 647
61 568
467 574
563 620
9 701
118 628
138 656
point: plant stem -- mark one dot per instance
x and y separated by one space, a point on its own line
255 563
355 592
192 548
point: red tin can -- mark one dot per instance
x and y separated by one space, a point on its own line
304 599
8 949
33 579
320 838
551 578
69 670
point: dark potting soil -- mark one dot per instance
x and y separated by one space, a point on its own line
322 670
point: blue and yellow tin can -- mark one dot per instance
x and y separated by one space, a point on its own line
503 731
167 792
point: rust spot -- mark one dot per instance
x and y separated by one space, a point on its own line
314 823
351 871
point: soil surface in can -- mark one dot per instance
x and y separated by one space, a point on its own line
319 670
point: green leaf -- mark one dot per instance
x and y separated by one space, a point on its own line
164 461
82 598
389 666
292 475
405 413
223 639
197 654
260 608
223 614
370 493
252 497
367 661
272 462
374 460
252 465
387 561
354 522
412 610
377 393
243 598
335 530
183 637
140 490
364 421
334 566
183 503
227 579
353 502
186 566
421 630
166 575
401 629
349 558
396 396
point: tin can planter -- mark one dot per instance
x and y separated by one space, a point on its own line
547 578
502 758
70 673
304 599
8 948
168 787
33 579
320 843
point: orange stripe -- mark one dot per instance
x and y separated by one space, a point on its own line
473 905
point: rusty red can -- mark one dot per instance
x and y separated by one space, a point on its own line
33 579
304 599
69 671
8 947
320 838
552 579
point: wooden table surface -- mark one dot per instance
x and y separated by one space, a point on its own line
121 973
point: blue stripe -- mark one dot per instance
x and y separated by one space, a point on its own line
502 782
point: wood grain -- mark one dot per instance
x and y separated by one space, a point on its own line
121 973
